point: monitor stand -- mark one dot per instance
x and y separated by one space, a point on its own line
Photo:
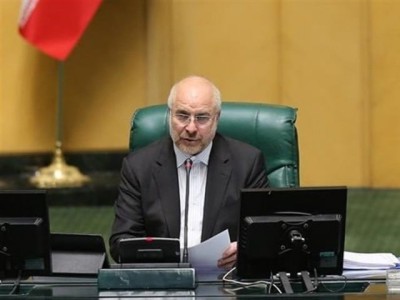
287 286
307 282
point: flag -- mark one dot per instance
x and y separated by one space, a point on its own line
55 26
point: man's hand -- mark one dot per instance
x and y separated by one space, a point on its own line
228 259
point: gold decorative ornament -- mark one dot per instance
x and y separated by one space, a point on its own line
58 174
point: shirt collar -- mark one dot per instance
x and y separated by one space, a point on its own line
203 156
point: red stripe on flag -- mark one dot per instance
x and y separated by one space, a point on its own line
55 26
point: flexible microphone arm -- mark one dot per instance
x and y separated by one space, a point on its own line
188 167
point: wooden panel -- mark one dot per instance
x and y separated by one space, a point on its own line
105 78
159 50
233 42
322 65
385 53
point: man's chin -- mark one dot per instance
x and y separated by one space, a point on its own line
192 150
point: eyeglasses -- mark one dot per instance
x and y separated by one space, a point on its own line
185 119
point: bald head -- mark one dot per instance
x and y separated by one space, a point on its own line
194 87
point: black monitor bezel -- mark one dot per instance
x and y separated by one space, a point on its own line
16 204
307 200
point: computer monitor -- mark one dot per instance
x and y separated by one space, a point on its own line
77 254
24 234
290 230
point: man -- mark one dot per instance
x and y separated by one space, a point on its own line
151 199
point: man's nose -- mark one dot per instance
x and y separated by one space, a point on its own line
191 126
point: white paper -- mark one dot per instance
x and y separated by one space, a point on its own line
369 261
206 254
365 274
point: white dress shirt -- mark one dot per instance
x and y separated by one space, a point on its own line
197 190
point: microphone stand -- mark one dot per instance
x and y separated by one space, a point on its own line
188 167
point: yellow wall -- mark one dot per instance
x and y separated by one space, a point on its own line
337 61
385 92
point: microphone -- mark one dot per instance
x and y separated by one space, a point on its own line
188 167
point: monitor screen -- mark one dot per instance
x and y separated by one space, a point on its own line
24 234
291 230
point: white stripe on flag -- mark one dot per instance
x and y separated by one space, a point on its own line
27 8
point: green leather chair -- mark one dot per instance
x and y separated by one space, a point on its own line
271 128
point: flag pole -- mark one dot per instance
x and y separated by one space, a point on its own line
58 174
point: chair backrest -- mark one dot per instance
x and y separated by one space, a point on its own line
270 128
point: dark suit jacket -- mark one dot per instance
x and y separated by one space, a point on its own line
148 203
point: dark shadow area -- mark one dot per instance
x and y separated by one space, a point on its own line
102 168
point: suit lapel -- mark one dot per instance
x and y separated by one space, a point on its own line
166 178
218 175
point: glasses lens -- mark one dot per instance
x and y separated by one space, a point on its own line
182 118
199 119
202 119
